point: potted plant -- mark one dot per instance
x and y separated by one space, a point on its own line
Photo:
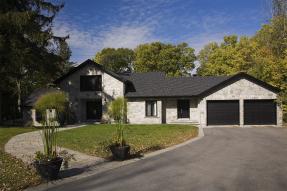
49 162
117 110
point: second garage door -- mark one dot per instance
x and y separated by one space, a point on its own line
259 112
223 112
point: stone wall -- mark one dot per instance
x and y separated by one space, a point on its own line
111 88
136 112
171 112
241 90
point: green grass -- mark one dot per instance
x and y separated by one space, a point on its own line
14 174
93 139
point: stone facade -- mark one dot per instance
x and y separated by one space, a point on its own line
241 90
136 112
167 108
111 88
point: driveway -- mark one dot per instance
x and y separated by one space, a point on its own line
225 159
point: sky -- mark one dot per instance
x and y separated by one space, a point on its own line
96 24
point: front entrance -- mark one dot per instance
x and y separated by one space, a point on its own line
94 110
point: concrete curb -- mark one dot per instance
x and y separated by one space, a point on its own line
107 166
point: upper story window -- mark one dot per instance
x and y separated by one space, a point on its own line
182 108
151 108
91 83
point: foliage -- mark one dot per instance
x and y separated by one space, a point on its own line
117 110
53 100
30 54
57 101
14 174
92 139
67 157
117 60
174 60
263 56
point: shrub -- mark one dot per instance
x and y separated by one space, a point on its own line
117 110
53 100
57 101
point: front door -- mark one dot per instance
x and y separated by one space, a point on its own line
94 110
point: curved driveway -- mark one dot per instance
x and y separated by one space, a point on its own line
225 159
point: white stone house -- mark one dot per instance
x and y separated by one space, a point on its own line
153 98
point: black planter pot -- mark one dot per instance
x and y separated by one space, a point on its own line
120 152
49 170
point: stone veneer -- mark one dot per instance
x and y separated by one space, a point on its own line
240 90
111 88
136 112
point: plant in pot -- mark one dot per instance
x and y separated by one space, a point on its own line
117 110
49 162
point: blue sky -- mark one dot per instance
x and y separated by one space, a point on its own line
96 24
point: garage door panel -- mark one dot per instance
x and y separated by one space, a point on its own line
223 112
260 112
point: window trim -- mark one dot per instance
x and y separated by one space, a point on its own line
154 108
99 88
179 116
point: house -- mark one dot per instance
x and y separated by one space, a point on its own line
153 98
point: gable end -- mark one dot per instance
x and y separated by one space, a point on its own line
236 78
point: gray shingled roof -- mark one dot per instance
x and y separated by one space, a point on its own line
156 84
36 94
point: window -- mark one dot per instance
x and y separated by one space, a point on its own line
151 109
91 83
183 109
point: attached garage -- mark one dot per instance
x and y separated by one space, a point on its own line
223 112
260 112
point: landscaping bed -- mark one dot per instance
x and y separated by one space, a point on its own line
14 174
94 139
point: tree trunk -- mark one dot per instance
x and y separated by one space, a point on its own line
18 84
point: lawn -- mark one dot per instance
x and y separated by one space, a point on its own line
14 174
93 139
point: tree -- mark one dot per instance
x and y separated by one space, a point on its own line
263 56
227 58
174 60
29 55
279 8
117 60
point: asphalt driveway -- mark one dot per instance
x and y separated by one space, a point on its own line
225 159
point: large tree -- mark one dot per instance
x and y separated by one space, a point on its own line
117 60
30 54
264 55
174 60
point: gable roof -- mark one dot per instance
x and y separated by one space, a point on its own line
233 78
36 94
88 63
156 84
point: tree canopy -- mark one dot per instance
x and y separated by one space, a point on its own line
174 60
263 55
116 60
30 54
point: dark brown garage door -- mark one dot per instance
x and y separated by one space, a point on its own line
223 112
259 112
